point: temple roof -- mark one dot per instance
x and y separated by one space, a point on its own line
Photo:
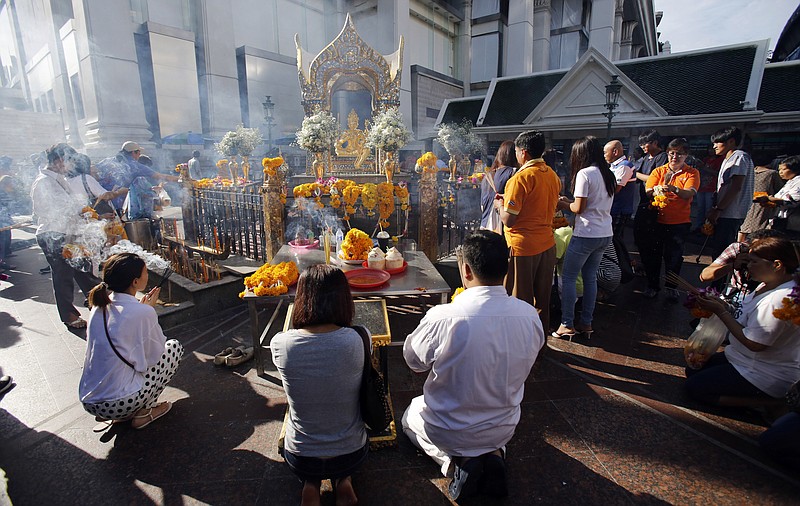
710 81
780 88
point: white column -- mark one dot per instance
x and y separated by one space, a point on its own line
216 74
109 72
618 13
541 35
520 41
627 39
395 14
464 48
601 31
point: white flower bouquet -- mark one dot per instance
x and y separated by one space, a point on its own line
317 132
388 132
242 141
459 139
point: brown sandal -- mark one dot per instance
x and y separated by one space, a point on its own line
150 416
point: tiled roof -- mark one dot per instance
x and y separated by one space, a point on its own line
514 99
780 89
703 83
463 109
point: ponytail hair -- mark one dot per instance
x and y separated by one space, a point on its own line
119 272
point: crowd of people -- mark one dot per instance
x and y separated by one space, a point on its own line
468 412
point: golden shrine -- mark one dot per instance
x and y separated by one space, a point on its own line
353 82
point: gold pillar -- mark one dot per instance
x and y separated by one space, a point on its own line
428 214
273 215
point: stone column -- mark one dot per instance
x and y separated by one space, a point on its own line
626 40
273 215
109 70
618 13
601 31
428 214
216 67
541 35
520 42
464 49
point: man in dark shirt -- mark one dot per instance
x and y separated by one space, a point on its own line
645 221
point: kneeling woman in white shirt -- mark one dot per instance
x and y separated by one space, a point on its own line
762 360
129 361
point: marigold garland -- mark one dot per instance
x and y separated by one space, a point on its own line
660 201
768 203
401 192
456 293
271 280
89 213
271 165
356 245
790 310
385 202
369 197
707 228
428 162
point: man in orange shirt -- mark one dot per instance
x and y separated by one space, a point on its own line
526 209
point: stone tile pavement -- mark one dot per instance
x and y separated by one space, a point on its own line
603 421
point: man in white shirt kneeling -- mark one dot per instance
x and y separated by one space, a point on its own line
478 351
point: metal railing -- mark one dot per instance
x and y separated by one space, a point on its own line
459 214
231 218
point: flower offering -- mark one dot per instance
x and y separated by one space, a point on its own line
356 245
271 280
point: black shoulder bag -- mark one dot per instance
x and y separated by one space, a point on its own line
375 409
105 324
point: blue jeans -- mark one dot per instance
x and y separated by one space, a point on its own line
583 256
782 440
718 378
702 203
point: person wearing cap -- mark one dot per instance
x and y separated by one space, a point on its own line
114 176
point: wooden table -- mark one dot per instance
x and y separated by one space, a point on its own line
420 278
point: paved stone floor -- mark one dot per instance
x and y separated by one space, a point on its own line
604 421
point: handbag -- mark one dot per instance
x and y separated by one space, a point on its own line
704 341
494 223
375 409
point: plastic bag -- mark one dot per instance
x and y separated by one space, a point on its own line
704 341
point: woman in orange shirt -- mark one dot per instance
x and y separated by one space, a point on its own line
672 188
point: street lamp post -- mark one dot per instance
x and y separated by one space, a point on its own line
269 120
612 102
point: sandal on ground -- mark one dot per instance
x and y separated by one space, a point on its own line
240 355
586 331
565 332
104 425
78 323
151 417
219 358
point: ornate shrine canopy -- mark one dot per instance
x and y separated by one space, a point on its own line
349 64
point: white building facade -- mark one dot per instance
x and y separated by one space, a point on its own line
145 70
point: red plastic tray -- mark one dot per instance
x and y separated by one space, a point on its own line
367 278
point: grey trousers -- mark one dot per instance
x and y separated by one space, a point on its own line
64 275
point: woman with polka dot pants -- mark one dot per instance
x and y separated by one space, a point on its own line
128 361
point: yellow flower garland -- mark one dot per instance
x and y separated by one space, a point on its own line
369 197
271 165
385 202
356 245
350 194
271 280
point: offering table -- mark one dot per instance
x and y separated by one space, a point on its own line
418 280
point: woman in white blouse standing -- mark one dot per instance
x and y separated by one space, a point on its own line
788 197
128 361
593 186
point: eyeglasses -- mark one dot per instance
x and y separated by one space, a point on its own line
673 154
